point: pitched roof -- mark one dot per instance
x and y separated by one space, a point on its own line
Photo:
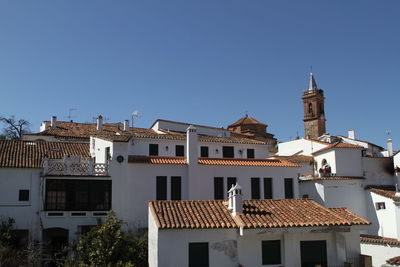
333 178
246 120
29 154
394 261
247 162
265 213
388 191
114 132
156 160
380 240
338 145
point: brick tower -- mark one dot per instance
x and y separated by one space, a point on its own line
314 115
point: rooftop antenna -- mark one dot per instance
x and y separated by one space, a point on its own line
104 119
247 113
70 117
388 133
135 114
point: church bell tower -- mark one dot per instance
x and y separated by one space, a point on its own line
314 115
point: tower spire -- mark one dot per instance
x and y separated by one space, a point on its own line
312 85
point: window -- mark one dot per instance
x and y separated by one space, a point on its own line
380 206
313 253
231 181
179 150
23 195
218 188
268 188
198 255
161 188
153 149
176 188
71 195
288 187
204 151
228 152
255 188
305 196
107 153
250 153
271 252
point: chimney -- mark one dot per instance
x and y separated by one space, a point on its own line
235 199
352 134
126 125
191 145
390 147
99 122
53 122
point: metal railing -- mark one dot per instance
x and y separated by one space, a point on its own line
74 166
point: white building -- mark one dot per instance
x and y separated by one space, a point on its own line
288 232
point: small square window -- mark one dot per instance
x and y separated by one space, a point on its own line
380 205
250 153
179 150
153 149
271 252
23 195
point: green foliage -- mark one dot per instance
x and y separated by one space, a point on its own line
6 236
109 245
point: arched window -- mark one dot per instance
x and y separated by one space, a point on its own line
310 109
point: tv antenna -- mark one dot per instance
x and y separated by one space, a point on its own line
388 133
135 114
104 118
70 117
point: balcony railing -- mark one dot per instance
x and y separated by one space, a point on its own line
74 165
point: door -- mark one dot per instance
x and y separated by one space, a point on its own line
313 253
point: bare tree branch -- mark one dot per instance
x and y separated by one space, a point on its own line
14 129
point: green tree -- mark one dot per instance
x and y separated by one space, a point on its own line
108 245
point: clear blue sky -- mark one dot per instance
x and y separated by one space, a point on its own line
204 62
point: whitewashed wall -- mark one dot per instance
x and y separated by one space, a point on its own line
299 147
379 253
378 170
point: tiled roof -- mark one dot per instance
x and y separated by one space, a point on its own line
333 178
380 240
266 213
338 145
213 161
29 154
388 191
358 140
394 261
247 162
295 158
114 132
156 160
246 120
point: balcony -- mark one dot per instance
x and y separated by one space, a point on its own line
73 165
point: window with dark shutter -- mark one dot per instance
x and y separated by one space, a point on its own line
204 151
288 187
198 255
153 149
230 181
218 188
161 188
268 188
23 195
271 252
255 188
250 153
176 188
228 152
179 150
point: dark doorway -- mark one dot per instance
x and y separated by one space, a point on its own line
313 253
55 239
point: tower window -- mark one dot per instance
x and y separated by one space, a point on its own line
310 109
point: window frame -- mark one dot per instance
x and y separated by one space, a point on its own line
195 262
252 153
228 151
153 150
271 191
176 187
219 182
161 187
289 194
204 152
23 195
255 188
266 247
179 150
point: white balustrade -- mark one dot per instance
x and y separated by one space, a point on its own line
74 167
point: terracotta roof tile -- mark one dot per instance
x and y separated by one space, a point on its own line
156 160
266 213
333 178
29 154
338 145
380 240
114 132
388 191
394 261
246 120
247 162
295 158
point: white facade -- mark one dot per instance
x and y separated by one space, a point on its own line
300 147
380 253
